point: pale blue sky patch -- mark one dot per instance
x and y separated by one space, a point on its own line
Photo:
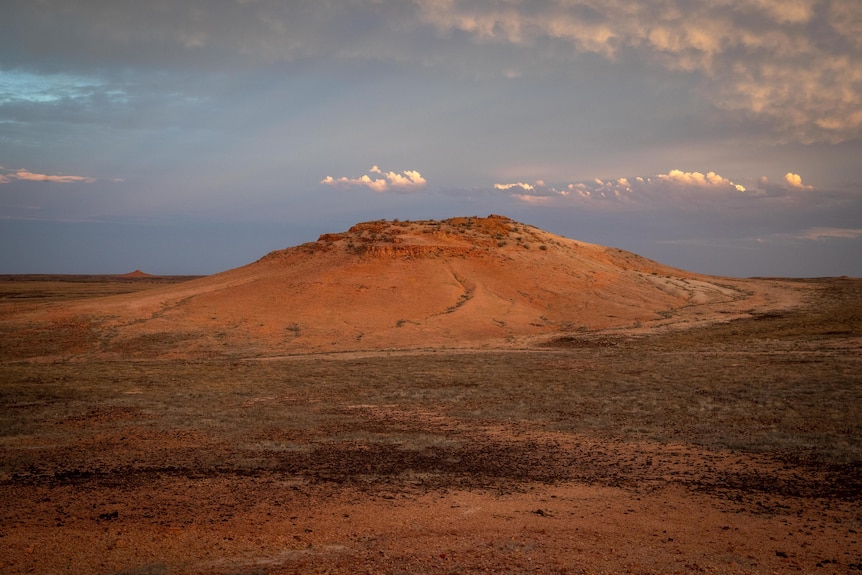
231 114
25 87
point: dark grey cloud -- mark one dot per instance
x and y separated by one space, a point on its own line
792 66
235 111
58 36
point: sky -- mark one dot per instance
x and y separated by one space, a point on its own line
195 136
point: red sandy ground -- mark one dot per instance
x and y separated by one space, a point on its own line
275 523
412 286
269 525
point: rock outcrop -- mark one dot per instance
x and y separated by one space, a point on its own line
461 282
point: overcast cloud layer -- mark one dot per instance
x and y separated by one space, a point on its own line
191 137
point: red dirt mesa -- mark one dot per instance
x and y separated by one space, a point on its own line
487 283
472 395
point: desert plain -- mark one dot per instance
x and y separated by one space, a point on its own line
472 395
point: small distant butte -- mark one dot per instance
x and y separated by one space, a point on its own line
136 274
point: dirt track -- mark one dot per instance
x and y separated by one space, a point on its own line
730 448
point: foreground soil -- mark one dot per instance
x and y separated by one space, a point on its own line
730 447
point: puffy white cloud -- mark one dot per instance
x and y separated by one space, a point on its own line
793 180
406 181
792 184
711 179
677 189
699 194
538 193
519 185
7 176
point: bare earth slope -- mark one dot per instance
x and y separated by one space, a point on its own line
731 448
459 283
521 428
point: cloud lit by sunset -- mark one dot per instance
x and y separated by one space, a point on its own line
405 181
7 176
795 181
711 179
667 188
657 125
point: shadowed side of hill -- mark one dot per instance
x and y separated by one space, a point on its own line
463 282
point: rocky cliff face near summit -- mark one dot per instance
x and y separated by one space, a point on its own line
406 285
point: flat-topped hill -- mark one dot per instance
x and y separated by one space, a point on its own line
458 283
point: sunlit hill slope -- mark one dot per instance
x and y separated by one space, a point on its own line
458 283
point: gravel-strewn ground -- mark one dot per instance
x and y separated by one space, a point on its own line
731 448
